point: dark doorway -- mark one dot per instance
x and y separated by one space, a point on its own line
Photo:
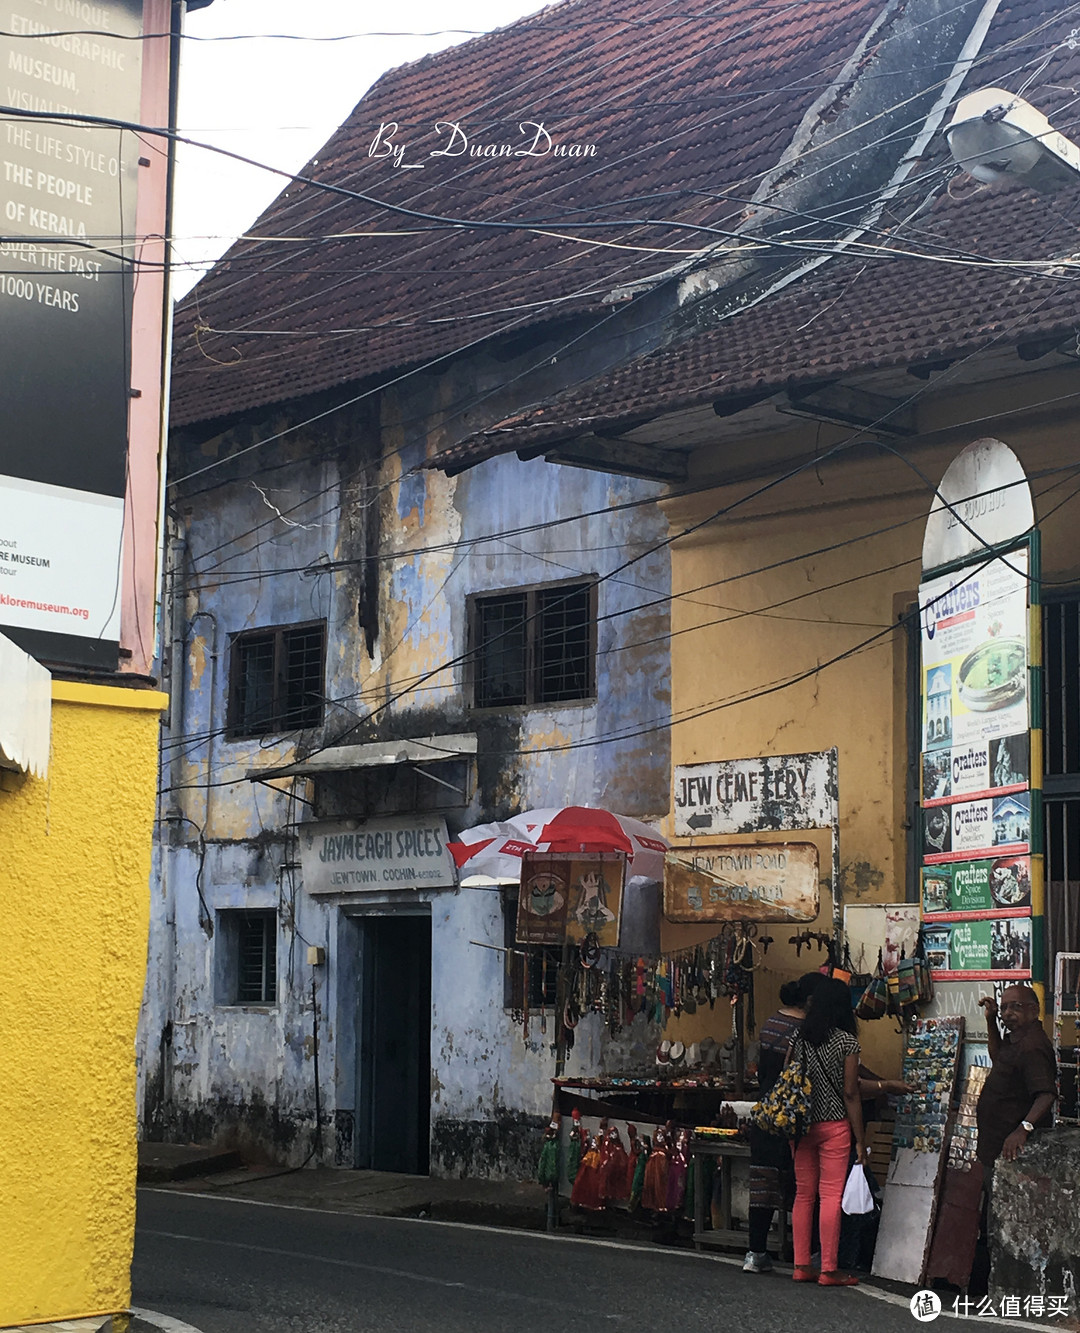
393 1066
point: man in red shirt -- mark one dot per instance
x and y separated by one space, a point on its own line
1022 1085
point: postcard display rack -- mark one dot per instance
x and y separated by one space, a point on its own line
931 1059
956 1230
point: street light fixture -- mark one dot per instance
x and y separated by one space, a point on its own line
995 135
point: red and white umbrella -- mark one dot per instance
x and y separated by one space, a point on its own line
494 851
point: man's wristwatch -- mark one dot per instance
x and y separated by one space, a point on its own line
1028 1126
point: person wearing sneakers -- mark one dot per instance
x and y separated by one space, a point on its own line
771 1170
827 1048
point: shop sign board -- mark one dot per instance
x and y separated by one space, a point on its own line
979 950
67 194
742 882
782 792
967 890
375 855
565 897
977 828
972 772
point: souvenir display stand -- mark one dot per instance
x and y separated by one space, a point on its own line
931 1058
726 1149
956 1231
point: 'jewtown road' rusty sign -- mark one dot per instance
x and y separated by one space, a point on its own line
742 882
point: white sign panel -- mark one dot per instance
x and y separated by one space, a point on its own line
371 856
59 551
983 500
784 791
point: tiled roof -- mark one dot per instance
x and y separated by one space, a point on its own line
851 316
681 108
680 102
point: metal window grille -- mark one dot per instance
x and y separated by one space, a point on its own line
563 644
535 646
501 651
277 680
1061 774
256 958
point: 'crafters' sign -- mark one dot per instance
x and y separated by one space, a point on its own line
784 791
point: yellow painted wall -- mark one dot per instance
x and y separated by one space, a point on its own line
74 911
752 609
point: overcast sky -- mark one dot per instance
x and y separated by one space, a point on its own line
278 100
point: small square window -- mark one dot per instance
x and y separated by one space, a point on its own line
277 679
535 646
246 961
531 969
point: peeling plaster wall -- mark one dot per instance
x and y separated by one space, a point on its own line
244 1075
74 911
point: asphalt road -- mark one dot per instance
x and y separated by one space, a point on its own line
226 1266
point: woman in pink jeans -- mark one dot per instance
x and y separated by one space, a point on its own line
828 1050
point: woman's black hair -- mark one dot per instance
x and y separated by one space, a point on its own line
808 983
791 995
830 1007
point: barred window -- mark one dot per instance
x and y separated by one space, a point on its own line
534 646
277 679
246 965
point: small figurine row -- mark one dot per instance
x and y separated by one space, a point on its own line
647 1173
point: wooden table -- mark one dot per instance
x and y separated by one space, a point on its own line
725 1151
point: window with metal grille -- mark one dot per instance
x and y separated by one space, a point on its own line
1061 774
246 966
534 646
531 969
276 679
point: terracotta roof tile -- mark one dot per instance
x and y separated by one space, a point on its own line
677 106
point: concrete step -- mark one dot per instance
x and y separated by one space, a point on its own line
160 1162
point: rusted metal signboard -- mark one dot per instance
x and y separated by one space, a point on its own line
784 791
742 882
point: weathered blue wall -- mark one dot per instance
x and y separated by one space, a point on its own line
212 1071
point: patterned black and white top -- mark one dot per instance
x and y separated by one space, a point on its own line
825 1070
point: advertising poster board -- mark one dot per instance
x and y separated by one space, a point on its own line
976 878
67 263
570 896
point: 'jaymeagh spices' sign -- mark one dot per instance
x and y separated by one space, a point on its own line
375 855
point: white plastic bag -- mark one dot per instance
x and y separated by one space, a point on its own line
857 1197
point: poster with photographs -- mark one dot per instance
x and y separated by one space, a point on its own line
570 896
970 889
974 629
977 828
970 772
979 950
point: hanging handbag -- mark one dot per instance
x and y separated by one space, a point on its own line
926 978
875 999
785 1108
842 971
907 979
